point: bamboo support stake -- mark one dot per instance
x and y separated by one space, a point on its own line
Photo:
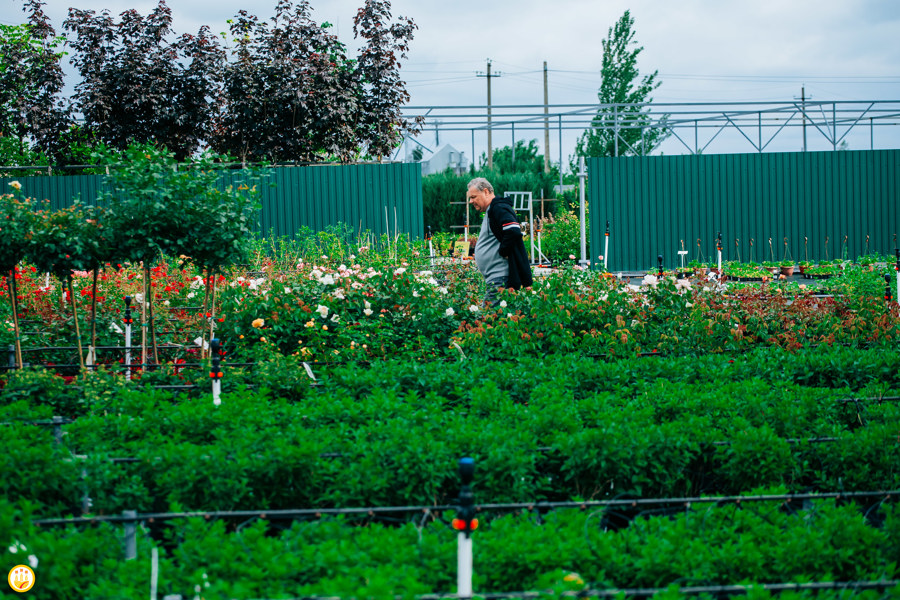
144 317
206 284
94 308
212 309
75 316
153 331
11 288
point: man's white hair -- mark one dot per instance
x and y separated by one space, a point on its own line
481 184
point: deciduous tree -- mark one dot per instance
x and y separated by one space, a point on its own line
138 86
32 112
621 83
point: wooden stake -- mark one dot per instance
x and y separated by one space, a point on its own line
75 316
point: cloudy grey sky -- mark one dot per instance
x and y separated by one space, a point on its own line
704 50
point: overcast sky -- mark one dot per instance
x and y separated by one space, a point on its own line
704 50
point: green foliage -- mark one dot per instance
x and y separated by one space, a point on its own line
157 207
637 132
16 217
561 238
68 239
527 160
31 81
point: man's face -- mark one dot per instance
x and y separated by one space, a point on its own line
480 199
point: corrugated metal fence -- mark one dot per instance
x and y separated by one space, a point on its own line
656 204
381 198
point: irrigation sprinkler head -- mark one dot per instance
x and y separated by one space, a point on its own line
466 470
127 302
428 235
465 521
659 261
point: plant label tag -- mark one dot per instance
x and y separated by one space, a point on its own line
309 371
461 248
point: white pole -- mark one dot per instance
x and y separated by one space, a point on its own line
217 391
128 351
540 251
582 176
154 572
606 247
897 297
531 224
464 565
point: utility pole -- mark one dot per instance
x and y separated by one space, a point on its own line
489 75
437 133
547 124
803 104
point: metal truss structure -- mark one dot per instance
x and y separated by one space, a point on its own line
692 128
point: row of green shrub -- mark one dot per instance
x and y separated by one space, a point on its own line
563 551
391 434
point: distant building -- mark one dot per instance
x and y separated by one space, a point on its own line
447 157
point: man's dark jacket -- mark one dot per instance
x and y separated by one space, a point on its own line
505 227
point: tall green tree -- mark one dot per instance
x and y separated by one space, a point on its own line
622 84
32 112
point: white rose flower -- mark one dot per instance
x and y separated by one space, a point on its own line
449 312
368 312
473 308
339 294
335 318
32 561
322 310
327 280
366 303
400 271
503 304
650 280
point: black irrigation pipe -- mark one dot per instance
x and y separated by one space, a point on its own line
542 450
507 507
713 590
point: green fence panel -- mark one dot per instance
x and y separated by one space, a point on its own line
380 198
822 204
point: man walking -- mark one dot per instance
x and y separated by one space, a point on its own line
499 253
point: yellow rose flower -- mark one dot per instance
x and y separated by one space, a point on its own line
258 323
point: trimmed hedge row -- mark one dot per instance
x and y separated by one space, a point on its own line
391 433
567 551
